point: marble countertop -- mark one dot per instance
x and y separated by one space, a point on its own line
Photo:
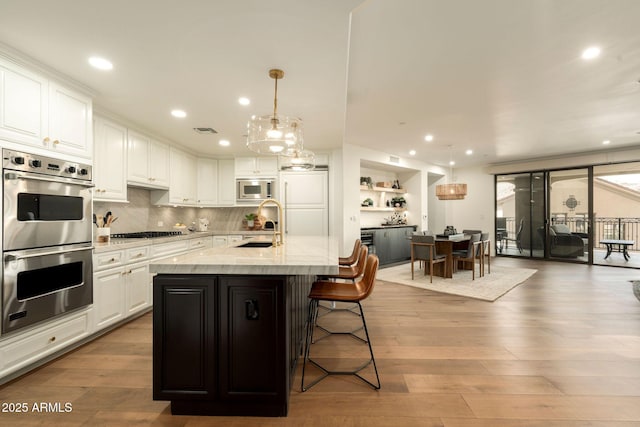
377 227
299 255
118 244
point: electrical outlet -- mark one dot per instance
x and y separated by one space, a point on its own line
160 224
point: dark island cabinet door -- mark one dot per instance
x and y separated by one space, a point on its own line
184 326
253 349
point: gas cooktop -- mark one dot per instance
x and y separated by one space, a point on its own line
145 234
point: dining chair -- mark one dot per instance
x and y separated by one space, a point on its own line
470 255
485 253
351 259
323 290
423 248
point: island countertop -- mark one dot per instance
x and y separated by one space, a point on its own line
299 255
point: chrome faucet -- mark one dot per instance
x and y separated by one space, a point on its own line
280 222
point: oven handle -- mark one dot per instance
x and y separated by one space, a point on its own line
14 175
11 257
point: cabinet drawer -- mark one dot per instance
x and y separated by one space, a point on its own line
166 249
107 260
200 243
137 254
34 345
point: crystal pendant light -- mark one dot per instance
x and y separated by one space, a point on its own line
298 161
274 134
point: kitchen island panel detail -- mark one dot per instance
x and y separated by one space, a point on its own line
251 318
184 338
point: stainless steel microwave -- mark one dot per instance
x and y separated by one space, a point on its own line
254 189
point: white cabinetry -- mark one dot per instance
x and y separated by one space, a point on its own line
256 166
226 183
148 162
44 114
121 285
23 349
110 161
305 196
70 115
207 182
182 187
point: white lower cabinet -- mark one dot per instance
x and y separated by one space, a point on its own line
108 297
122 291
137 288
25 348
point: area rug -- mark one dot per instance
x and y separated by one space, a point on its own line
488 288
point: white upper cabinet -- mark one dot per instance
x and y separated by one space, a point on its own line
70 115
110 161
159 164
183 182
256 166
207 182
226 183
148 162
44 114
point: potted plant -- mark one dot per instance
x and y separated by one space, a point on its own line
250 219
398 202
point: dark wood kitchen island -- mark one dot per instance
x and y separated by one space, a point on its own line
228 325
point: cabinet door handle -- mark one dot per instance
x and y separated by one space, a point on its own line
251 309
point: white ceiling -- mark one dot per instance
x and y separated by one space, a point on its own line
501 77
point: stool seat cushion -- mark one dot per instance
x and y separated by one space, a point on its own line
337 291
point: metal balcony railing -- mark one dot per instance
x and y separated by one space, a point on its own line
618 228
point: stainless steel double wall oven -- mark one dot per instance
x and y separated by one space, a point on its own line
47 238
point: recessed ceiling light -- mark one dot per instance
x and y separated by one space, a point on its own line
224 143
244 101
606 142
428 138
591 52
100 63
179 114
412 152
468 152
451 163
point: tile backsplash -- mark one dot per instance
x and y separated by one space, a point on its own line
140 215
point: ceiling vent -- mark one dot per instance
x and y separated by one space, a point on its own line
394 159
205 130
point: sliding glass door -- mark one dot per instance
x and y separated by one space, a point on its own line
520 212
568 215
616 214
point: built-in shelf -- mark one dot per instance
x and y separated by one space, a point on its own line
372 209
383 189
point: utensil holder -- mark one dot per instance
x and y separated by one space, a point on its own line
103 234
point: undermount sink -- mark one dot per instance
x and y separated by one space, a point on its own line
255 245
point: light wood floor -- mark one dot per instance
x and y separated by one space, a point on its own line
562 349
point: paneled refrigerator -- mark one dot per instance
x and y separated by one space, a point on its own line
305 196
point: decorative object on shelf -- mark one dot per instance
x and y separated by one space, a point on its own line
396 184
395 219
273 134
299 161
366 180
385 184
451 191
398 202
367 202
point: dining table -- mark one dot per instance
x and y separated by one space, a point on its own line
446 246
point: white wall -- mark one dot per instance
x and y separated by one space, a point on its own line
476 210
